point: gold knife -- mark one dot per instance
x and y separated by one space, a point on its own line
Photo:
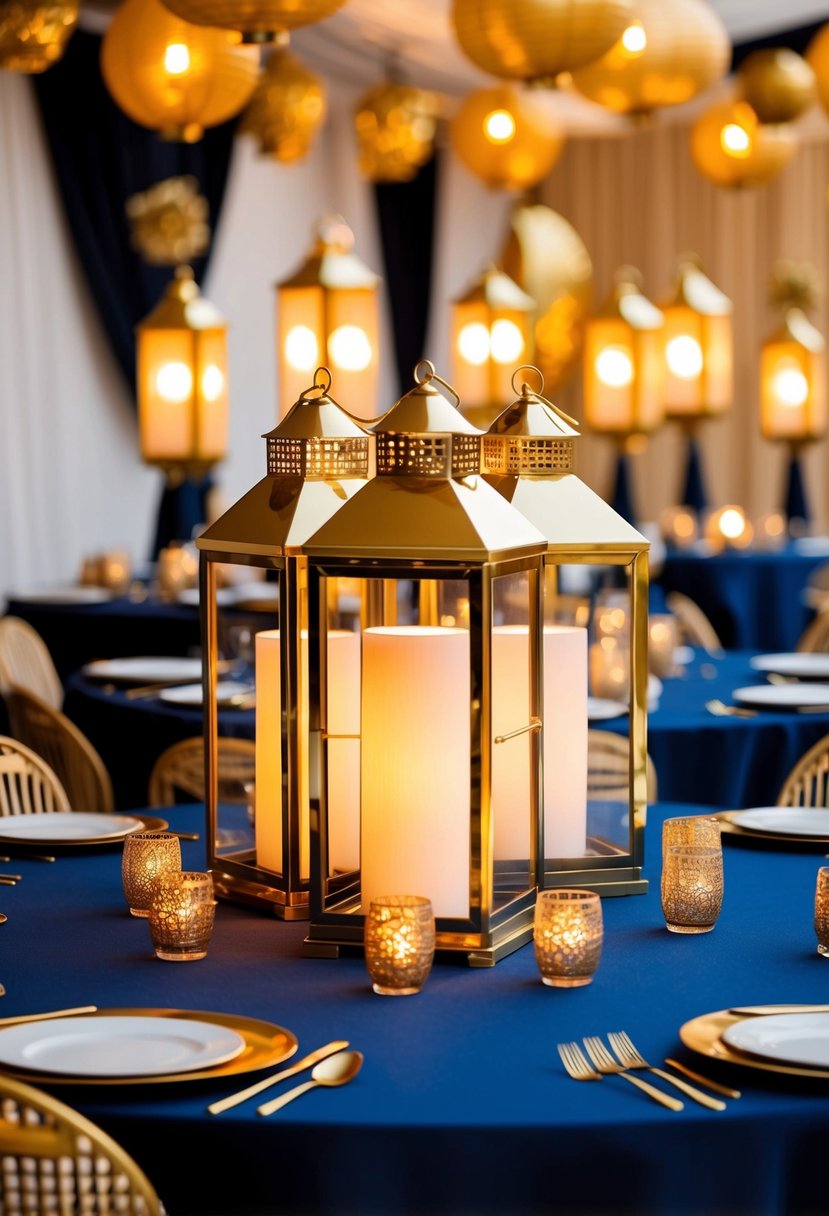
725 1090
749 1011
42 1017
216 1108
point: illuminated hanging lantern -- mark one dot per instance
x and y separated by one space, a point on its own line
817 56
173 77
777 83
34 36
328 311
698 342
491 332
506 138
257 20
669 52
731 147
395 126
535 40
286 110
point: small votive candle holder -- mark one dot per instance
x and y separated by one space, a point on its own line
399 943
663 638
568 934
692 887
701 830
146 856
822 911
609 669
182 912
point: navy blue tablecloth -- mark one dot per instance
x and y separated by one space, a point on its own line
462 1106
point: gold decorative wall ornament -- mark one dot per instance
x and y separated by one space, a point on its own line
286 110
169 222
731 147
395 126
257 20
509 139
777 83
34 36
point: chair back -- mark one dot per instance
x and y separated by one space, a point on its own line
816 592
27 785
25 662
608 768
807 784
180 770
55 1160
694 626
65 749
815 637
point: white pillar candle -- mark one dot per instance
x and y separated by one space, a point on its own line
343 754
268 819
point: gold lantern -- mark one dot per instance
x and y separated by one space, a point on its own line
777 83
395 126
317 459
731 147
440 559
491 332
286 110
817 56
182 381
174 77
508 139
528 456
698 341
33 36
669 52
329 308
257 20
537 39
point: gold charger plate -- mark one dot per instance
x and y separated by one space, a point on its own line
151 823
266 1044
703 1035
729 828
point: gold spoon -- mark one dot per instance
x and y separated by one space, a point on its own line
720 710
336 1070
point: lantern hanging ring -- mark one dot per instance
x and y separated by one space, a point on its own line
525 390
320 386
423 377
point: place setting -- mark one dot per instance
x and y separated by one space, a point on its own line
74 829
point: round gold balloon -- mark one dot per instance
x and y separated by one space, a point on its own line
777 83
817 56
537 39
287 109
34 36
506 138
395 127
671 51
258 20
174 77
731 148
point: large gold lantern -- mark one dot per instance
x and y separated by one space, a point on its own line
591 839
510 140
731 147
777 83
328 310
286 110
491 332
174 77
33 35
257 20
440 559
317 458
395 126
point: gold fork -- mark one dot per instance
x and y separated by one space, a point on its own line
627 1055
604 1063
720 710
577 1067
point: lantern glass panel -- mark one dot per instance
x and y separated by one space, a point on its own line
211 394
165 371
793 392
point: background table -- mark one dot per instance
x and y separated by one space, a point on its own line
462 1106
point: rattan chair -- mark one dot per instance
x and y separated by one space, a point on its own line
695 629
180 770
65 749
27 785
815 637
25 662
54 1162
608 767
808 783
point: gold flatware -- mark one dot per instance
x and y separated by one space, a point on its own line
7 882
30 857
334 1070
750 1011
11 877
813 709
152 690
604 1065
720 710
44 1017
216 1108
726 1090
186 835
629 1057
3 919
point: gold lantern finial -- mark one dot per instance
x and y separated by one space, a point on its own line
33 36
793 285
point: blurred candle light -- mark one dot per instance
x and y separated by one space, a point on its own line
729 528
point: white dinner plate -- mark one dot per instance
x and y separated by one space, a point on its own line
117 1046
801 666
813 546
191 694
67 827
783 696
190 595
599 709
783 820
63 595
683 655
793 1038
142 670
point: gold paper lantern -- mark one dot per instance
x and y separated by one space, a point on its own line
257 20
731 147
395 127
817 56
537 39
777 83
670 52
287 109
173 77
34 36
506 138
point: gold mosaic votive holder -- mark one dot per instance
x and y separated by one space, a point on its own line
146 856
822 911
702 830
692 887
568 937
182 912
399 943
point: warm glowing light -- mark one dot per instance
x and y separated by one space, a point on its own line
735 140
614 367
506 342
176 58
212 382
732 523
684 357
789 385
499 126
349 348
634 39
473 343
684 526
174 382
302 348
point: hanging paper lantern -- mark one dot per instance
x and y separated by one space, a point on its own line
506 138
777 83
671 51
173 77
34 36
257 20
817 56
395 127
731 148
287 109
537 39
